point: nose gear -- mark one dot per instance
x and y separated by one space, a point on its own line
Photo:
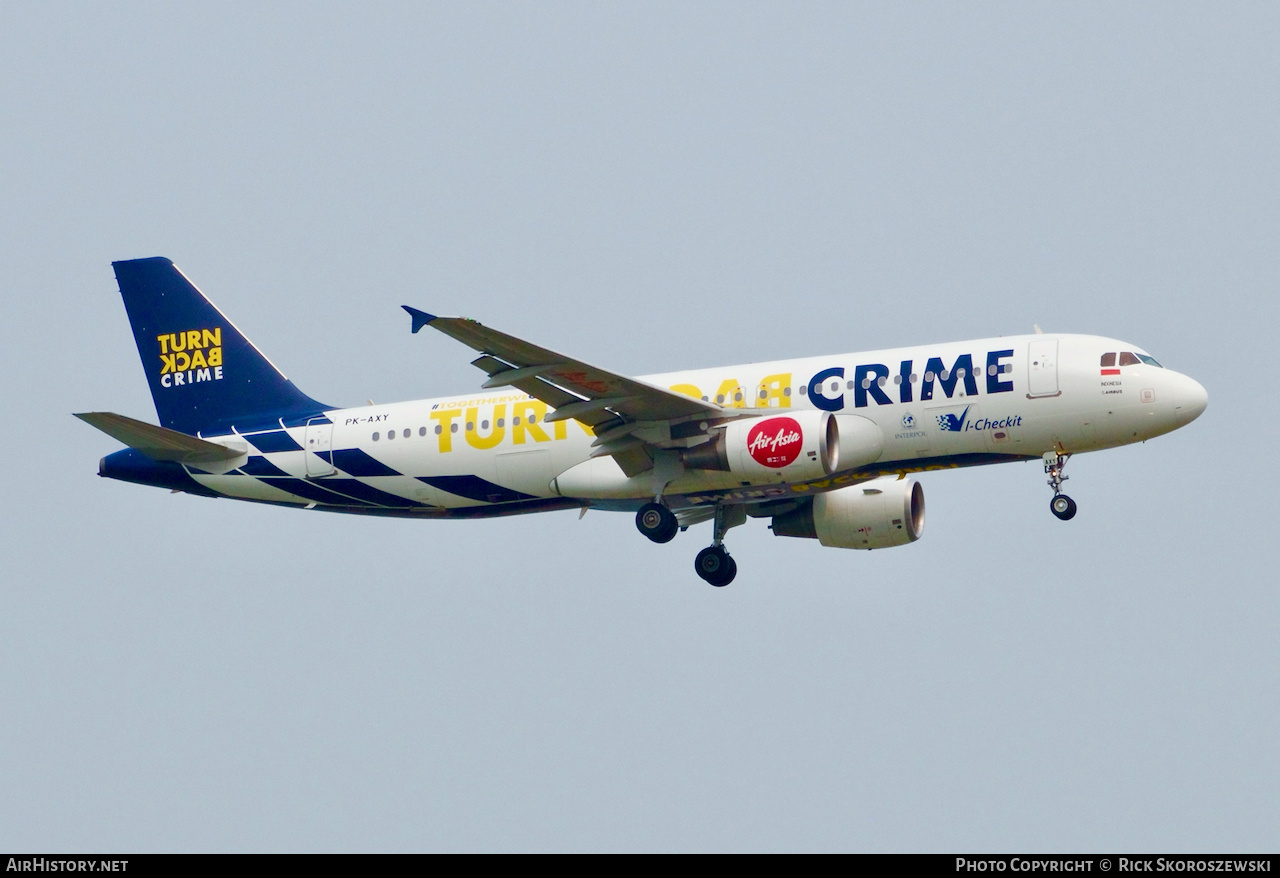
1061 505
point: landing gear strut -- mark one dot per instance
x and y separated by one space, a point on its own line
1061 505
657 522
713 563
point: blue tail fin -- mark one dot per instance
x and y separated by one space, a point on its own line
204 375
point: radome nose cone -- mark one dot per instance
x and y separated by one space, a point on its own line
1192 400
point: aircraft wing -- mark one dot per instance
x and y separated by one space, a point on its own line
625 414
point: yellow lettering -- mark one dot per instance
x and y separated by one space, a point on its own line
211 338
193 339
167 360
445 418
215 357
183 361
164 343
520 421
177 341
771 393
474 439
197 360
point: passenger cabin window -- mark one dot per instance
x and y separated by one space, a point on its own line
1128 359
1109 359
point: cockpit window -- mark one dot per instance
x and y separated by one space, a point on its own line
1109 359
1150 361
1128 359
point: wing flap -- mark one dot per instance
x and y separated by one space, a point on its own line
633 461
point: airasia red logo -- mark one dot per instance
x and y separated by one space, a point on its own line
775 442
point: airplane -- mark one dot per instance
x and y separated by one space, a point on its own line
828 448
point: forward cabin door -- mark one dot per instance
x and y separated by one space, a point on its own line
1042 368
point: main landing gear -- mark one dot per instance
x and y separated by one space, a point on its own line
715 566
1061 505
657 522
713 563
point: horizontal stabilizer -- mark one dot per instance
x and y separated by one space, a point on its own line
160 443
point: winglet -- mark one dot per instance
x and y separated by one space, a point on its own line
420 318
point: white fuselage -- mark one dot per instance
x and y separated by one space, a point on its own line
937 406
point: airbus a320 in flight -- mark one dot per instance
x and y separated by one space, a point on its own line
825 447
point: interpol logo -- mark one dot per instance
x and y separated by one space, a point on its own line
908 421
190 357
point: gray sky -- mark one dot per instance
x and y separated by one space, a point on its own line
648 188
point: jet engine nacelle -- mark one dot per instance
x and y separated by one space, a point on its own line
783 448
792 447
874 515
